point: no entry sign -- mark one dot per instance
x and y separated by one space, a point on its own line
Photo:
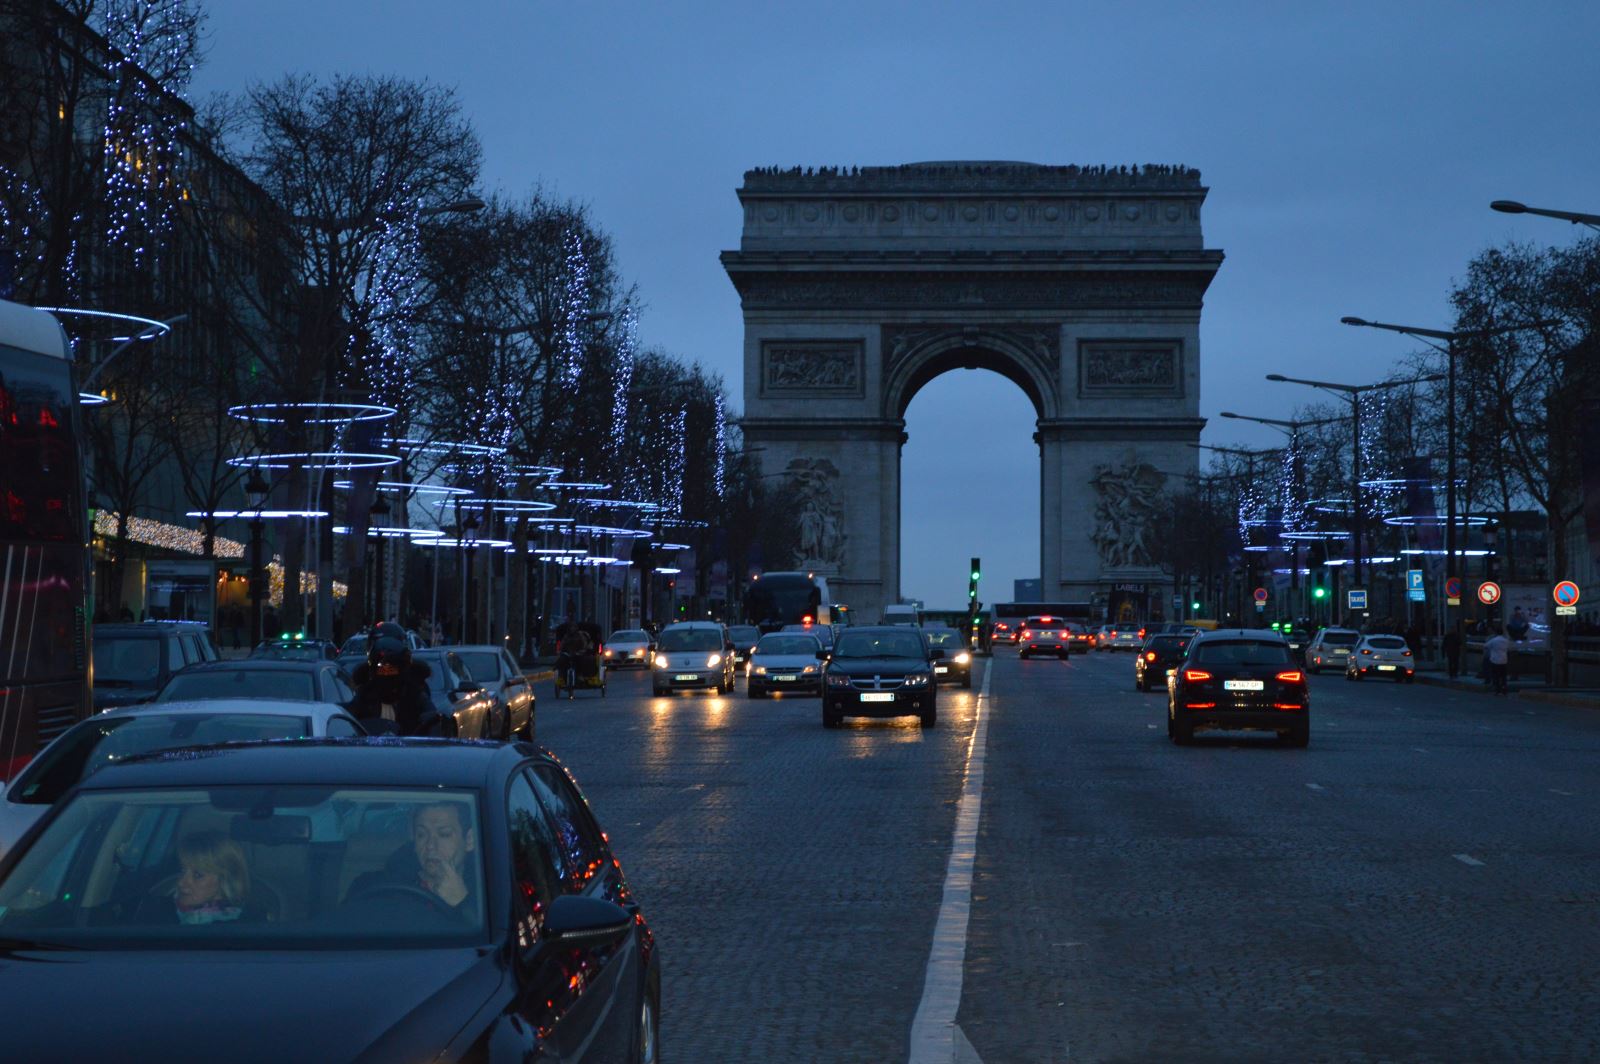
1488 592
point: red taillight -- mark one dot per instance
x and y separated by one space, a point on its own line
1364 650
1201 705
1287 705
1195 675
1292 676
1150 655
1141 633
1408 653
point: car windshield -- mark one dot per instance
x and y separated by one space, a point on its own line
282 867
483 664
242 682
942 637
788 644
1387 643
126 660
1242 652
1341 639
690 639
100 741
629 635
880 645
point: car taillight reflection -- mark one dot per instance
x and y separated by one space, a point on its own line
1150 655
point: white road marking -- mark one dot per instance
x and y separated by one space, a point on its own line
1419 749
1316 786
1564 794
1468 859
933 1028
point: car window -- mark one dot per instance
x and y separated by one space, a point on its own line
343 728
1387 643
459 668
676 639
187 651
132 660
577 839
239 683
1341 639
483 665
779 643
880 645
942 637
1241 652
343 693
628 635
298 867
1174 643
535 853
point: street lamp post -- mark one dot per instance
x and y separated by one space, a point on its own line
1505 206
1352 394
255 492
379 509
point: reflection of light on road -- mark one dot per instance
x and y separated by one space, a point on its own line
661 729
717 711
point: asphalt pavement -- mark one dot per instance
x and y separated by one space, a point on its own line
1419 884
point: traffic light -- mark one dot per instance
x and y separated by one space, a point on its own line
977 571
1319 592
973 575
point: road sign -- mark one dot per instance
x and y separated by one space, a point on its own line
1261 607
1566 611
1452 590
1488 592
1261 594
1413 579
1357 598
1566 593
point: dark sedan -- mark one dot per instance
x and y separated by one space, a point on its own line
456 693
1239 680
373 900
957 664
882 671
295 681
1160 655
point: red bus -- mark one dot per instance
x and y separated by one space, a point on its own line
44 539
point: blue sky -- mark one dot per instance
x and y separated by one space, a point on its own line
1351 150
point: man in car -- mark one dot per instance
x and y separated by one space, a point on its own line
436 860
393 689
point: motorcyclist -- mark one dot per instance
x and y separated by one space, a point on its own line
392 690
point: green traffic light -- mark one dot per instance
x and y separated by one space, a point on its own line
1320 592
1194 606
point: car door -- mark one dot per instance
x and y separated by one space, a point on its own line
471 707
518 692
609 1002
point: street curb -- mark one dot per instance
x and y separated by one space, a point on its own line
1560 698
540 677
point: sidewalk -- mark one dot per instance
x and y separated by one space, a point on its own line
1533 690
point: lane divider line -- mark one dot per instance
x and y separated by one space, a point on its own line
1468 859
933 1028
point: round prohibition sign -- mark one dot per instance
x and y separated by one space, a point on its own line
1261 594
1488 592
1566 593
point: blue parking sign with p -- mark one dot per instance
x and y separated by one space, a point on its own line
1413 579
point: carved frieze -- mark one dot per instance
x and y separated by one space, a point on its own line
1127 501
811 367
1130 367
1042 342
956 290
814 482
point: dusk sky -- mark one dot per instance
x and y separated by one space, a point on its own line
1351 156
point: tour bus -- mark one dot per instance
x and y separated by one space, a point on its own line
777 599
44 537
1008 616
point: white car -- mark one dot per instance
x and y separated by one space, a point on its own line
630 647
1382 656
785 661
1331 649
150 727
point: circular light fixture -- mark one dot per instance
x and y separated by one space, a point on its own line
1313 536
1436 520
392 532
609 530
415 489
668 570
509 505
150 325
451 541
576 485
1440 552
556 550
310 413
315 460
671 546
91 399
441 447
251 515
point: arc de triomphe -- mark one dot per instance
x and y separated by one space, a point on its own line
1081 284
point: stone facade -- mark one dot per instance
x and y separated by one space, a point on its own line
1083 285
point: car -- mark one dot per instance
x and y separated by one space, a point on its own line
1331 648
957 664
375 900
1298 639
785 661
455 693
824 632
494 667
897 614
1104 636
629 647
1238 680
881 671
1157 659
297 650
293 681
1044 635
1382 655
134 661
117 734
1126 637
693 654
745 637
1005 632
1079 636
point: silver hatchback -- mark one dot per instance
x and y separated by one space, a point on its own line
1384 656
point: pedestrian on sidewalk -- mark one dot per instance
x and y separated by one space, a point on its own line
1452 651
1496 656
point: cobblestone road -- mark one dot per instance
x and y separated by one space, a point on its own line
1420 884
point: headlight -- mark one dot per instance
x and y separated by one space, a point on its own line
917 679
761 670
838 679
713 661
809 669
962 658
661 662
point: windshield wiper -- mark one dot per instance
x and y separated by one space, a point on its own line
10 944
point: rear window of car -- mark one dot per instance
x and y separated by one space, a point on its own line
1170 642
1388 643
1341 639
482 664
1241 652
240 683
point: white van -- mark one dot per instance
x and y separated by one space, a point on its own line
900 614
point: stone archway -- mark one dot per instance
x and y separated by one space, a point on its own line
1082 285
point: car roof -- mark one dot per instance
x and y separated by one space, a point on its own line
372 761
464 646
880 629
1234 635
259 665
1336 628
275 706
694 624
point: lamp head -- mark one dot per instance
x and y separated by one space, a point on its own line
1347 320
1276 377
1506 206
1229 413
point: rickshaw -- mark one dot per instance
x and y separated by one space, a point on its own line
588 672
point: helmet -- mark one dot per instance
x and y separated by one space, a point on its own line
388 651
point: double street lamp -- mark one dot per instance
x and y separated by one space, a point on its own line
1352 394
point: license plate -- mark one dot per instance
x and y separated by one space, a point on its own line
941 669
1386 668
685 676
878 696
1244 685
784 679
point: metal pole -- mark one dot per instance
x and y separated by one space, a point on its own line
1358 577
257 579
1450 475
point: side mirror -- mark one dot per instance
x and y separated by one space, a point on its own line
575 920
823 655
936 654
